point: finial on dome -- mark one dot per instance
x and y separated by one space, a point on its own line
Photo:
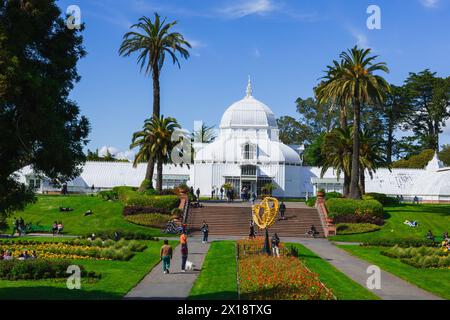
249 87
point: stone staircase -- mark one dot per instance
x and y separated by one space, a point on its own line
234 220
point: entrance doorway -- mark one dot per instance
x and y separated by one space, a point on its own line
250 185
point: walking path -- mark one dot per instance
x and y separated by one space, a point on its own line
392 287
175 285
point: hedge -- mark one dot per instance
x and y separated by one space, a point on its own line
130 197
403 243
359 218
339 207
121 234
132 210
34 269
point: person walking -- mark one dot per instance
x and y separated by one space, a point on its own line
275 245
253 198
16 227
166 256
251 234
184 256
205 230
213 192
221 193
198 194
282 210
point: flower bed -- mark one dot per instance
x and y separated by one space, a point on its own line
78 249
422 257
264 277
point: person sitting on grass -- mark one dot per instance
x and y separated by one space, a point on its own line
430 235
412 224
445 236
55 227
7 255
60 227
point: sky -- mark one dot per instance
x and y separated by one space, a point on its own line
284 45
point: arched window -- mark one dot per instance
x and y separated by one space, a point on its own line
248 151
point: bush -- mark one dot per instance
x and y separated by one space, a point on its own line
338 207
382 198
359 218
162 202
132 210
109 195
36 269
355 228
311 202
155 220
167 192
403 243
421 257
332 195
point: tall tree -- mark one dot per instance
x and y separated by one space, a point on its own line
293 132
371 157
317 117
39 125
393 112
155 140
152 40
429 101
356 83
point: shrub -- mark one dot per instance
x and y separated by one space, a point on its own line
145 185
37 269
355 228
404 243
132 210
421 257
311 202
167 192
150 220
109 195
359 218
338 207
332 195
382 198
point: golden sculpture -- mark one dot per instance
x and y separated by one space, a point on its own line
269 213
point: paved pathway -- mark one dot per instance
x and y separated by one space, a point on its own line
392 287
175 285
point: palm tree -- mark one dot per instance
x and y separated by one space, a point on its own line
204 134
153 40
356 83
155 141
337 147
324 96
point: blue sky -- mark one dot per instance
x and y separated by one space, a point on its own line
284 45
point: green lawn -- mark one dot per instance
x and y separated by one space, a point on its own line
342 286
218 277
436 281
107 215
434 217
118 277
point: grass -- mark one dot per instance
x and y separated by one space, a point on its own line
218 277
107 215
436 281
118 277
434 217
342 286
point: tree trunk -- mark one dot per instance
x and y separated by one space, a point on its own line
354 182
156 91
343 117
362 181
159 176
149 175
346 186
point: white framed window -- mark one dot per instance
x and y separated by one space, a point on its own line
248 151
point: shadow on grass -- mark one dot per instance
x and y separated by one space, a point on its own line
440 209
53 293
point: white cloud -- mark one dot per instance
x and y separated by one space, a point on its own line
116 153
430 3
248 7
361 39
